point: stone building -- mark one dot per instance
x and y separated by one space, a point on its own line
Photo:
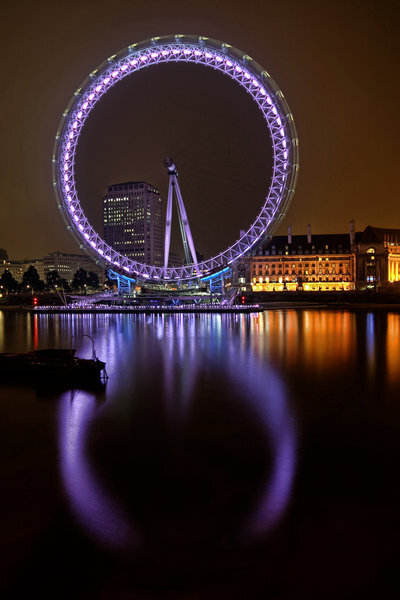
308 262
336 262
378 257
17 268
67 265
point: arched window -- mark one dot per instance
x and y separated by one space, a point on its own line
371 251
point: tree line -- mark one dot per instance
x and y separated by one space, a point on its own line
31 281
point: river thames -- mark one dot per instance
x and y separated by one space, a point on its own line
227 456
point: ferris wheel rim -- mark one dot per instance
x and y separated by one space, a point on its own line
178 48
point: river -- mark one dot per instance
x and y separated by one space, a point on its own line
227 456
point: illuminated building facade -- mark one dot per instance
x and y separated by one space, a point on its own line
310 263
241 275
361 260
378 256
17 268
132 219
67 265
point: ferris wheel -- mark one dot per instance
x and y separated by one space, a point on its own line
188 49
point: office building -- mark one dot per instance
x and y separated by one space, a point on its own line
67 265
132 217
17 268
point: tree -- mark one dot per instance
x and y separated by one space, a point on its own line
80 280
53 279
8 282
93 280
31 279
65 285
110 283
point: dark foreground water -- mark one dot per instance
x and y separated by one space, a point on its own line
252 456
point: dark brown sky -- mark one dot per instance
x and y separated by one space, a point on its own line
337 64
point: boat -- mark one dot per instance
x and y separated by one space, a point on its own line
52 364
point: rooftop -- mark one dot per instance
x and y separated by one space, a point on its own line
129 185
320 243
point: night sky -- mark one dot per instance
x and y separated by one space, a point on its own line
337 64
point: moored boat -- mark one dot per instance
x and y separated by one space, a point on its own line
60 364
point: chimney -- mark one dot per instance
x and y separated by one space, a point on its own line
308 234
289 234
352 234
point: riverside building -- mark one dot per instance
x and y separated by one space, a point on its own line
67 265
336 262
132 220
310 263
17 268
378 256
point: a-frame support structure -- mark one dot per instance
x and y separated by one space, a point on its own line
187 238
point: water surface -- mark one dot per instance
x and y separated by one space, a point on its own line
227 456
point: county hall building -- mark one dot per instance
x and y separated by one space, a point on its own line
327 262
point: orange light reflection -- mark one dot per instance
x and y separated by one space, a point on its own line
311 338
393 347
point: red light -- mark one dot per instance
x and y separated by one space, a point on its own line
243 299
35 301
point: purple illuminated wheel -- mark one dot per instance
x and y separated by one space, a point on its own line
179 48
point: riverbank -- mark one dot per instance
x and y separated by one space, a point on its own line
147 309
338 298
253 302
279 305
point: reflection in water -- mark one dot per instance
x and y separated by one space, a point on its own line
191 452
175 356
266 396
315 337
393 347
179 352
95 508
35 333
214 341
190 346
370 344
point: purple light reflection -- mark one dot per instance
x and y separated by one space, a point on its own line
264 393
188 347
268 399
266 396
180 351
94 508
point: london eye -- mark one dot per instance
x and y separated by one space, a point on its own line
188 49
